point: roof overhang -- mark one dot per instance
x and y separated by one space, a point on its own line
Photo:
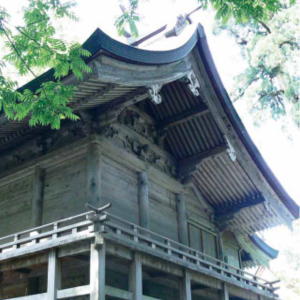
106 50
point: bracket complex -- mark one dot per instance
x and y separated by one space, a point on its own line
193 83
154 93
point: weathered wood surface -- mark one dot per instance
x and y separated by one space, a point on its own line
136 278
37 197
143 194
54 275
93 174
97 272
182 219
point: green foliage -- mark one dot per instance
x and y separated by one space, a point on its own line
244 11
33 47
271 83
128 18
236 10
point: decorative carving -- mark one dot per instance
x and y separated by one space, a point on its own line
193 83
135 121
230 150
154 93
109 131
145 153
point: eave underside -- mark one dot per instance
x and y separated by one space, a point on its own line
188 131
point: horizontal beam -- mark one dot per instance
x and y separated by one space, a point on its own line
43 296
189 164
228 210
74 292
199 110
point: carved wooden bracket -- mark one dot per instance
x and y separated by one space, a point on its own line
154 93
193 83
230 150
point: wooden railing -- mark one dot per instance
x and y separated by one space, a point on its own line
82 227
150 241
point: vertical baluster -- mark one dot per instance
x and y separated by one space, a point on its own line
135 233
55 227
16 241
167 242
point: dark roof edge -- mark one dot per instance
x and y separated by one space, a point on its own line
263 246
100 41
239 127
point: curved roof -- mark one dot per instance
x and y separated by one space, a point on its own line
258 242
99 42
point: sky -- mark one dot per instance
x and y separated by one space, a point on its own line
281 152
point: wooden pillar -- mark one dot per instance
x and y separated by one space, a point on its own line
54 275
186 288
224 292
97 272
37 197
136 278
143 198
221 253
181 219
94 174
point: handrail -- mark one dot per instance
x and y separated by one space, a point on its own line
188 249
136 234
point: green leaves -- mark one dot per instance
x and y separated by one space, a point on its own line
246 10
129 18
270 85
32 48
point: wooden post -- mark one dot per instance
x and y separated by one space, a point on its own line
94 174
224 292
54 275
37 197
136 278
143 194
186 288
97 271
181 219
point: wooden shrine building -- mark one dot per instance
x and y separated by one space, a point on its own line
158 139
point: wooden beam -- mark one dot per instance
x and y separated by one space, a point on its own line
74 292
143 198
228 210
37 197
136 278
97 271
185 290
199 110
54 275
94 167
181 219
189 164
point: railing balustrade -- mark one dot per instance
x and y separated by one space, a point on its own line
82 226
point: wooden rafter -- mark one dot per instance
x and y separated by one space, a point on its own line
189 164
199 110
231 209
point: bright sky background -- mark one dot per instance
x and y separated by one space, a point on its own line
282 154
